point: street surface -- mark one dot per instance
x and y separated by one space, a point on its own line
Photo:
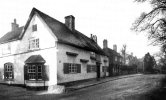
132 88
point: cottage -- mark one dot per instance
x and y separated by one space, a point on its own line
115 59
46 52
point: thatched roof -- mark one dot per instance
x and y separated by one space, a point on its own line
62 32
11 36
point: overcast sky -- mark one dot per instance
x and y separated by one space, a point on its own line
108 19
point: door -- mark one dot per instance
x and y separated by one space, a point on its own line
98 69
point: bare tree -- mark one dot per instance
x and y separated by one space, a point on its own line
151 22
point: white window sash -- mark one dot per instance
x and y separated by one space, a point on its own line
34 44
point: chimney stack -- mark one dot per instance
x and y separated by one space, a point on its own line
131 53
105 44
15 26
94 38
70 22
115 47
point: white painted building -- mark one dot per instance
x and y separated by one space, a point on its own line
46 52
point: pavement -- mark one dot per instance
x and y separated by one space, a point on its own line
96 82
82 85
126 87
14 91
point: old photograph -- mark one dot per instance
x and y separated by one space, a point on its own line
83 50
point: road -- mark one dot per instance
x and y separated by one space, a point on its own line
132 88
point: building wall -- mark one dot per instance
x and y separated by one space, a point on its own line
20 52
113 64
103 63
18 61
63 58
53 52
82 54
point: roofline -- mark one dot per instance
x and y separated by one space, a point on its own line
21 27
32 13
36 11
70 44
117 54
9 41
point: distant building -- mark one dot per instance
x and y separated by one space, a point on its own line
115 59
46 52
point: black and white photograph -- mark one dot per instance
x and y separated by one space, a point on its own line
83 50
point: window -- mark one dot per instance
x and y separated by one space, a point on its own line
119 60
39 72
8 71
92 54
91 68
72 68
34 72
33 44
34 27
104 68
116 59
6 49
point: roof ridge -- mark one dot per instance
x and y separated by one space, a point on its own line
34 9
63 33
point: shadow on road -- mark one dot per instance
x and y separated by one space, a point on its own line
157 94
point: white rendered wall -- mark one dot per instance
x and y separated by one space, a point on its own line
82 54
20 52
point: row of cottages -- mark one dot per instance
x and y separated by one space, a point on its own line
115 59
46 52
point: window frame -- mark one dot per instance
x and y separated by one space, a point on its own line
8 72
33 72
34 28
71 68
34 43
92 68
116 58
104 68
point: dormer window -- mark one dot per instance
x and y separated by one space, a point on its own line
33 44
92 54
34 27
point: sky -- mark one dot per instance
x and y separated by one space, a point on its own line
108 19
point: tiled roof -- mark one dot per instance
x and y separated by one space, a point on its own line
63 33
11 36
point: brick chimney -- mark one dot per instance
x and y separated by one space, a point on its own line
94 37
15 26
70 22
131 53
105 44
115 47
